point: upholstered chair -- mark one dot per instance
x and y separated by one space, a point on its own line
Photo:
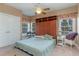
70 38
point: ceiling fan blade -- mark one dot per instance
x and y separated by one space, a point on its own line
43 12
40 13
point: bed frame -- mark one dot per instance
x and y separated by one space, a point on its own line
24 51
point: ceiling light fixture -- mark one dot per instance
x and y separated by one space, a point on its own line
38 10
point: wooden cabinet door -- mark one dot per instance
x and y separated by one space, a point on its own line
37 28
52 28
46 27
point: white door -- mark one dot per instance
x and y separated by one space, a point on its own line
14 28
9 29
3 29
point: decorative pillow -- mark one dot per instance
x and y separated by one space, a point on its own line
41 37
48 37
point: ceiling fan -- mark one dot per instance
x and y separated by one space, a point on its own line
40 10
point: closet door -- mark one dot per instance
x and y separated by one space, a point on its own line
4 29
46 27
52 28
14 29
9 29
38 28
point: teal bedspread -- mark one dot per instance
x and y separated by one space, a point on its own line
37 46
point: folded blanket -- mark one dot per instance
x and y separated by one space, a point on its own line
71 36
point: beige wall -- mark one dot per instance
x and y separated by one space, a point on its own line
58 12
13 11
26 18
10 10
77 24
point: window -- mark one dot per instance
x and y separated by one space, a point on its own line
33 27
66 25
28 27
24 27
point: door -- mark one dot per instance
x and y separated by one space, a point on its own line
3 29
14 28
9 29
52 28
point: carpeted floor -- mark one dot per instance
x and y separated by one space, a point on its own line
58 51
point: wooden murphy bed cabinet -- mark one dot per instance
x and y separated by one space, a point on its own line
46 25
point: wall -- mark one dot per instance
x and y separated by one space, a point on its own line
78 25
58 12
10 10
26 18
13 11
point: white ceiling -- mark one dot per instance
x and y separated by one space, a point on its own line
29 8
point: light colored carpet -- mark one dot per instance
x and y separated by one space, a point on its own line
65 51
58 51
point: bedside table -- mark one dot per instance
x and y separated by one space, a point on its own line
60 40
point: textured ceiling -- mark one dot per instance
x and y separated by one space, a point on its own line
29 8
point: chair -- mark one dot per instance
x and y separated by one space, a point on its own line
70 38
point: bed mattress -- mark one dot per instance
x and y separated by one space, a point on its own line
36 46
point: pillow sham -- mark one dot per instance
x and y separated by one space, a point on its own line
49 37
41 37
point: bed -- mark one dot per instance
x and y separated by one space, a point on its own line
37 46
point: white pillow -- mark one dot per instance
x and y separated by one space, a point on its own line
42 37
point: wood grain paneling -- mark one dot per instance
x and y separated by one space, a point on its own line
46 26
53 28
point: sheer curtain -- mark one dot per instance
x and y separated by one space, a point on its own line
78 25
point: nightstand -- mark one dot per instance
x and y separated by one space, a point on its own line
60 40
